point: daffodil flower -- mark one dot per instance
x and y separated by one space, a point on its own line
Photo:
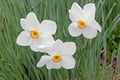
60 55
83 21
34 33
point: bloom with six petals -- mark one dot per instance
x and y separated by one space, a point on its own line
60 55
36 34
83 21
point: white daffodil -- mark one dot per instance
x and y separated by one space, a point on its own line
34 33
60 55
83 21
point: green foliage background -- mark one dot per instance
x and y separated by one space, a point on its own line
19 63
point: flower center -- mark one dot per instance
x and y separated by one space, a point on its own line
56 58
81 24
34 34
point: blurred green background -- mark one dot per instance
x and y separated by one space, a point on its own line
19 63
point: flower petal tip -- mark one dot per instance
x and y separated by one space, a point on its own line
31 13
100 29
74 4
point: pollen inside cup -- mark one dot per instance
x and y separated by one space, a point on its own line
56 58
81 24
34 34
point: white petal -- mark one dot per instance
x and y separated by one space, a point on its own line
54 48
89 32
58 44
30 22
48 26
34 47
68 62
53 65
43 41
44 59
57 47
74 30
24 39
68 48
76 12
89 9
95 25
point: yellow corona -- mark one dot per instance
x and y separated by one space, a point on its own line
56 58
81 24
34 34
